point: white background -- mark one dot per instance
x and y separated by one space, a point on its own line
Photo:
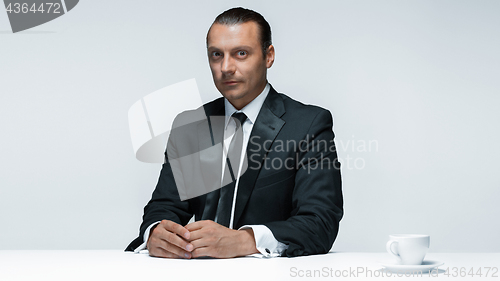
419 79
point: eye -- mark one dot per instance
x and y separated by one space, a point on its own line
216 55
242 53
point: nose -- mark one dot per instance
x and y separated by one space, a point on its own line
228 66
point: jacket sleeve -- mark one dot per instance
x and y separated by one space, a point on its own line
317 203
165 203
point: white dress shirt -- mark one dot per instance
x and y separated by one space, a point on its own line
265 241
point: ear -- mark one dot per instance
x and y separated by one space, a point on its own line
270 56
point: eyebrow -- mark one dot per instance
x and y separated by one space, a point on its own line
212 48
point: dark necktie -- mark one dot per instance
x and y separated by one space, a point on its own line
232 162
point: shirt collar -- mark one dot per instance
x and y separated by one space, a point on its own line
251 110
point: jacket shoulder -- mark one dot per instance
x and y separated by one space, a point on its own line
297 108
199 114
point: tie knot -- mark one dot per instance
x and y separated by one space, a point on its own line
240 116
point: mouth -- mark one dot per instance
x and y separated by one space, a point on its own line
230 83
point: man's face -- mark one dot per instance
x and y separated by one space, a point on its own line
237 62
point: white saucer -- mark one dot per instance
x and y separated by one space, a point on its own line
425 267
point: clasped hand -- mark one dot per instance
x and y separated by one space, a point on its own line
199 239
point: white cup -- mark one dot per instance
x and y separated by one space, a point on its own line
409 249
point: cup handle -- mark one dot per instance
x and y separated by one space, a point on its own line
389 248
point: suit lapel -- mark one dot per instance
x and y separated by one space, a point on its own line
264 132
212 134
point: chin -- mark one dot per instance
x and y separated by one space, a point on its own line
233 94
233 97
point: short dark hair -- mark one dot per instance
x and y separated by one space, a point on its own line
241 15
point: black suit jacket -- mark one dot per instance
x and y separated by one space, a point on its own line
292 184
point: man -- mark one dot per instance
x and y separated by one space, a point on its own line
287 202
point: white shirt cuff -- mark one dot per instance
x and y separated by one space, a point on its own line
265 242
142 248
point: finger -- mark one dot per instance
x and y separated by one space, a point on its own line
170 242
175 228
201 252
200 243
206 229
197 234
176 244
199 224
162 253
169 247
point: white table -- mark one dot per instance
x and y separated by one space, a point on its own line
118 265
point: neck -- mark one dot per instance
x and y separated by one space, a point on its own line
240 103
